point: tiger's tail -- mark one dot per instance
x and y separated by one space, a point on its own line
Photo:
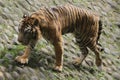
99 33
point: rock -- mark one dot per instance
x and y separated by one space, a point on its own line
26 70
24 77
2 76
1 61
4 16
42 76
1 47
31 70
116 75
8 32
107 50
19 12
34 78
15 18
31 2
10 47
6 10
24 4
42 69
51 75
2 68
2 21
43 63
15 39
108 77
16 23
10 22
8 76
2 4
15 75
19 70
9 56
50 59
5 37
16 29
118 24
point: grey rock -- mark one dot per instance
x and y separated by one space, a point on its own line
2 21
2 4
16 29
15 75
8 56
31 70
8 76
24 77
5 37
31 2
118 24
51 75
43 62
107 50
26 70
6 10
10 22
34 78
1 61
108 77
4 15
2 68
2 76
20 53
112 3
1 47
50 59
19 70
8 31
15 18
24 4
10 47
116 75
16 23
42 76
42 69
10 68
15 39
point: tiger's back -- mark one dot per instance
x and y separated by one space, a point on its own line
83 23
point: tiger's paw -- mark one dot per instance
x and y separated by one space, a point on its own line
58 68
21 60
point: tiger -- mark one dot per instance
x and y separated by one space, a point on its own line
51 23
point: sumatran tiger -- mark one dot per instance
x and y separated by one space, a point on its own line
52 23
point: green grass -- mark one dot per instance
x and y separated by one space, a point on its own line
14 52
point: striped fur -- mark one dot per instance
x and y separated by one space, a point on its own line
56 21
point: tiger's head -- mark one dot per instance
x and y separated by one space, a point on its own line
28 30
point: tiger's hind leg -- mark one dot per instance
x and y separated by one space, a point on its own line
83 55
98 60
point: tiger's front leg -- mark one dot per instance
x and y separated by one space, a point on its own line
59 55
24 58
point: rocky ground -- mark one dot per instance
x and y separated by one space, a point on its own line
42 58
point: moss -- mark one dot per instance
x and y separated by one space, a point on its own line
13 53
